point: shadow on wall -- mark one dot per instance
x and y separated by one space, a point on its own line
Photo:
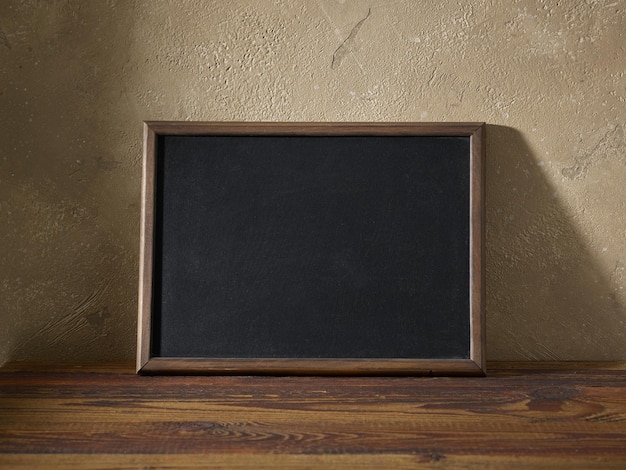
69 191
546 297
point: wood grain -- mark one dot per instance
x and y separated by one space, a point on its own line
551 415
353 367
296 462
146 247
313 128
477 246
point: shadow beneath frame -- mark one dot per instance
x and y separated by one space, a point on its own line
546 297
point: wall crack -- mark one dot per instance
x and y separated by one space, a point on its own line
609 146
346 45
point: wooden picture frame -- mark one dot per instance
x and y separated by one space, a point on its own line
312 248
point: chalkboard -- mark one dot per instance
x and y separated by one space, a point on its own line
334 248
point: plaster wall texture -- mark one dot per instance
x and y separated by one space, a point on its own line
77 78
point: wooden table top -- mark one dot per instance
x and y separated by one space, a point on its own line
523 415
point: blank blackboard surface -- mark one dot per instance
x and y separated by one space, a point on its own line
298 248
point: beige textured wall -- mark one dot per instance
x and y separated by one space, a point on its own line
77 78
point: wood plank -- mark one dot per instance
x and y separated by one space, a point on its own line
540 415
296 462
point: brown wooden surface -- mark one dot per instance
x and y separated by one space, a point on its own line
202 366
146 246
520 416
312 128
477 246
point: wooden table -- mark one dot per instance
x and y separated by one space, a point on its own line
533 415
